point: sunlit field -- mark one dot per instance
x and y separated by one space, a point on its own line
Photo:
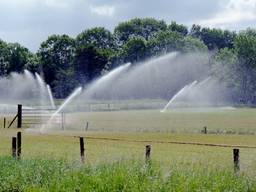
222 120
117 139
174 136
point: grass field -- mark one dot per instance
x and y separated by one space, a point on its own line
217 120
121 136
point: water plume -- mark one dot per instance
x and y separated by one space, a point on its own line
23 88
50 96
179 93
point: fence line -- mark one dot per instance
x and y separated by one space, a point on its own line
170 142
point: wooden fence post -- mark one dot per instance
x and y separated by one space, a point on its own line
19 145
81 139
205 130
19 116
148 153
236 159
14 147
4 122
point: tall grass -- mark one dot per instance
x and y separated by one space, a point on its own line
60 175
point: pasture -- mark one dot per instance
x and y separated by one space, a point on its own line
175 136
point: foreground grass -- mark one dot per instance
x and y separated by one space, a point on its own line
60 175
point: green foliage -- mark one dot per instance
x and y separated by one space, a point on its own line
182 29
213 38
225 67
33 63
56 56
17 56
145 28
94 49
13 57
56 175
98 37
4 63
191 44
135 49
245 47
89 62
165 41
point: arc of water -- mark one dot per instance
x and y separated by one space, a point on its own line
204 81
50 96
178 94
42 87
105 79
67 101
29 75
40 80
63 105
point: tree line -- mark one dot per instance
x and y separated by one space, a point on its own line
66 62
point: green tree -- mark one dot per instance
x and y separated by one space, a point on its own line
135 49
89 62
190 44
245 46
17 57
182 29
214 38
224 67
145 28
56 55
94 49
3 67
98 37
33 64
4 63
165 41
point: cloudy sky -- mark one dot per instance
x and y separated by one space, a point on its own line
30 22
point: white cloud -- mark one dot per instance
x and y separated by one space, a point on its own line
104 10
235 11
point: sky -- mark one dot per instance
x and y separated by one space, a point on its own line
30 22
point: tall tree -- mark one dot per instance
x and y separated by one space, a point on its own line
4 63
214 38
145 28
56 56
17 57
182 29
135 49
98 37
89 63
191 44
94 49
164 42
245 46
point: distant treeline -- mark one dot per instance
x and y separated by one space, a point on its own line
66 62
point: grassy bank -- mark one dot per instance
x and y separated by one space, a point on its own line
59 175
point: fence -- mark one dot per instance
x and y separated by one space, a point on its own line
35 117
16 151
